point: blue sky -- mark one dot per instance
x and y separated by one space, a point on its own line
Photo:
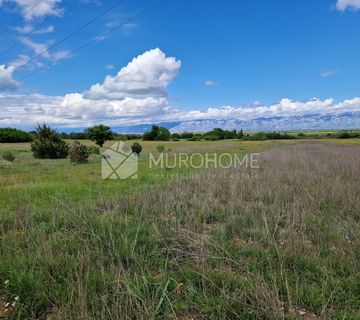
220 61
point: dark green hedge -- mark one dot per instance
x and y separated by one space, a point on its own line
14 135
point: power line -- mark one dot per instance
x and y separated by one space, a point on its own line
20 19
20 39
66 37
26 34
101 36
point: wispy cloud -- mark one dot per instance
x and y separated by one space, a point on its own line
31 9
41 49
29 28
211 83
328 73
343 5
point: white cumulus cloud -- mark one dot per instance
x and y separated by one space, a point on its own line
7 83
147 75
137 95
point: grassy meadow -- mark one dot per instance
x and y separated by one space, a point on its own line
282 242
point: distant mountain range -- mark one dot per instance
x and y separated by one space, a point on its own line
347 120
315 121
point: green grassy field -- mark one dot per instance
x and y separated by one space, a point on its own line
281 244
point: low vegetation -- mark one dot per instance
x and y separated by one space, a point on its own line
47 144
8 156
278 242
78 152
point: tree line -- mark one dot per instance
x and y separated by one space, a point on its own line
103 133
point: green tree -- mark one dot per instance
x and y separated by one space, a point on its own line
157 134
99 134
164 134
47 144
175 136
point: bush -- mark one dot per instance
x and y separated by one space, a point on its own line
345 135
194 138
8 156
14 135
212 137
47 144
136 147
94 150
186 135
160 148
127 136
349 135
259 136
74 135
278 136
220 134
78 152
175 136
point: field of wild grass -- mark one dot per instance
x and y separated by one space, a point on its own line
280 242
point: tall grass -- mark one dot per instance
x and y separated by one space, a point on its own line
280 242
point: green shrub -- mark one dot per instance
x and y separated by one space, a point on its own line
94 150
136 147
194 138
220 134
47 144
212 137
78 152
8 156
345 135
160 148
278 136
14 135
175 139
175 136
258 136
186 135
